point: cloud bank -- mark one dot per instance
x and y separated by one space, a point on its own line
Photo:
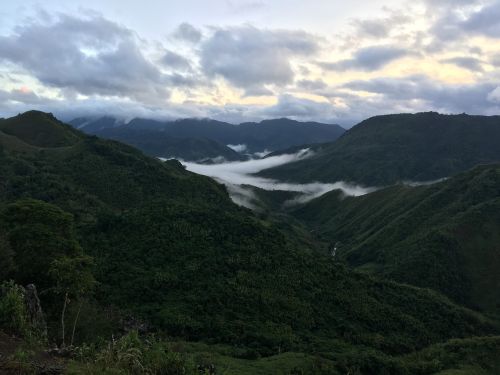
439 55
236 174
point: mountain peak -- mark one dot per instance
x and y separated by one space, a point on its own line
40 129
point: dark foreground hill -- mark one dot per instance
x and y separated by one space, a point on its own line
268 135
444 236
171 248
409 147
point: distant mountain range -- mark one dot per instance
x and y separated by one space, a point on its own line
157 143
194 139
387 149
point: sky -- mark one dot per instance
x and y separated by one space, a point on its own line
246 60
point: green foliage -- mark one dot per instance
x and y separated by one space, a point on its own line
38 233
473 355
72 275
171 248
13 314
7 265
40 130
22 362
442 236
133 355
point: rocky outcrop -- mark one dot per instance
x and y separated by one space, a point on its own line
34 311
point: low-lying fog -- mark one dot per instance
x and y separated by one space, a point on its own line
235 174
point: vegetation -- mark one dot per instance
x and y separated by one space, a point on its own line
13 314
136 238
447 231
384 150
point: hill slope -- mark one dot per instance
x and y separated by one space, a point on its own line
443 236
386 149
172 248
39 130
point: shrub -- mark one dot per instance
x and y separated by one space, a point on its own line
133 355
13 314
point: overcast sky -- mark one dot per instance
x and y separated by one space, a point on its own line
239 60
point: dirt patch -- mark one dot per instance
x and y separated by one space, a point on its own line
33 361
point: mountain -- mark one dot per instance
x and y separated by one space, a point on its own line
444 236
91 125
39 131
157 143
409 147
268 135
172 249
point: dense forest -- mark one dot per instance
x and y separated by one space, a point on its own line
144 267
448 231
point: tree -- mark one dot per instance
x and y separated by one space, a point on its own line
37 233
40 237
7 265
73 279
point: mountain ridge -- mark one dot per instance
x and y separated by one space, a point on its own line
388 149
170 247
268 135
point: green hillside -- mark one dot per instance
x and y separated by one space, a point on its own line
409 147
443 236
170 248
40 130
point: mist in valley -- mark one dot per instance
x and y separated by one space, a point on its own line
238 176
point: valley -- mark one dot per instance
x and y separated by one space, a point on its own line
388 279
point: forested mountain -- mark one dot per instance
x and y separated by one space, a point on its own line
408 147
170 248
157 143
268 135
444 236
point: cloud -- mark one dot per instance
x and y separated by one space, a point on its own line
298 108
185 81
376 28
249 57
465 62
484 21
22 95
368 59
257 91
243 7
425 93
235 174
187 33
311 85
463 19
88 55
175 61
238 148
494 96
379 28
495 60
